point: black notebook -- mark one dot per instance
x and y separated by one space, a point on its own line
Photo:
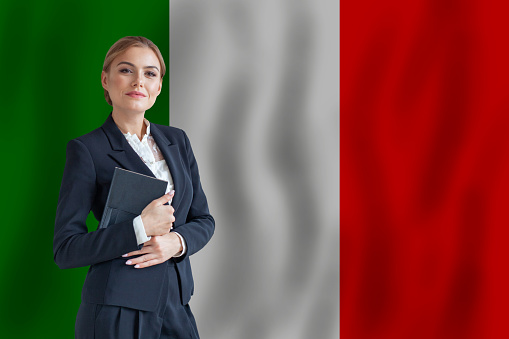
129 194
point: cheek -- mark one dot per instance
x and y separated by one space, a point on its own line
119 82
153 90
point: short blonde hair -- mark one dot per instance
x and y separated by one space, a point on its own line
123 45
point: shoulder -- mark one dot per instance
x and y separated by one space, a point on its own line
83 149
92 139
174 134
90 136
168 130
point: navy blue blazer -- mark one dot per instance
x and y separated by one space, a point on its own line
90 163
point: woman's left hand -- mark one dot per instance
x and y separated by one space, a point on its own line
156 251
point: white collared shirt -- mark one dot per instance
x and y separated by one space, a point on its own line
149 152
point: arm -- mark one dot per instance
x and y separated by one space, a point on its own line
200 225
73 245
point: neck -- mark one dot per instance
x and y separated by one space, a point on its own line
130 122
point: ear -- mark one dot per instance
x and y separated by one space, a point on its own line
104 80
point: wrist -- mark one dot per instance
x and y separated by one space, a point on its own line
146 223
178 242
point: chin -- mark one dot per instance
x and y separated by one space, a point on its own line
137 108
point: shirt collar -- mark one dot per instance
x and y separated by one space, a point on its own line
147 133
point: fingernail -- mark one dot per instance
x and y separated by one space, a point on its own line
136 266
172 192
128 262
125 255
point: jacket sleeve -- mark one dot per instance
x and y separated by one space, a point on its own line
73 245
200 225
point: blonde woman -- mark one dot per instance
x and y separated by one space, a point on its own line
140 282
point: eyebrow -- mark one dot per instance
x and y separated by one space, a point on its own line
130 64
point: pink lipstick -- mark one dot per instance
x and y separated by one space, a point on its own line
136 94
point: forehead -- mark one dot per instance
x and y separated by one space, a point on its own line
139 56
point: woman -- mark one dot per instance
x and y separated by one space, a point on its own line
140 281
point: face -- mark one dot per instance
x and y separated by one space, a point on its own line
133 80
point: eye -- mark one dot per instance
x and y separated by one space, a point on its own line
125 70
151 74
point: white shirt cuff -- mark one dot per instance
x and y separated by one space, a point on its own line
183 246
139 230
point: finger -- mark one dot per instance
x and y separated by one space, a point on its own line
148 263
144 250
141 259
165 198
130 254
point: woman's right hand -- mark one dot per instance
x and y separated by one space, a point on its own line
157 217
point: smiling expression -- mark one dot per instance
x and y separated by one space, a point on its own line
133 80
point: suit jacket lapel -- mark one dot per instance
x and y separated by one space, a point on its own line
121 151
172 156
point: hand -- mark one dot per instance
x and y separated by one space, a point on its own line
156 251
157 217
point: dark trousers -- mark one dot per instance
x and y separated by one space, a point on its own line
172 320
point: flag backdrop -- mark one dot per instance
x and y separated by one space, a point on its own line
254 84
425 169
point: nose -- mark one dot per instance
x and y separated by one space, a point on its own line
138 81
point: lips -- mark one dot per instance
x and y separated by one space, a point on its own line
136 94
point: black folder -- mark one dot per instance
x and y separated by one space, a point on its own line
129 194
